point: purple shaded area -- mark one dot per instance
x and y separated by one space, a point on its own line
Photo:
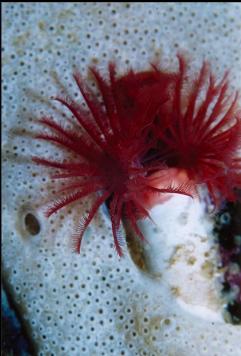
228 231
235 279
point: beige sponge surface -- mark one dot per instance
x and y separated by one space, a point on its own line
95 303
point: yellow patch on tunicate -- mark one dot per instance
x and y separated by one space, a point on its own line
95 60
182 253
145 327
175 255
175 291
191 260
65 14
155 322
42 25
208 269
21 39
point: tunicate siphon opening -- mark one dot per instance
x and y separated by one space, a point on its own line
32 224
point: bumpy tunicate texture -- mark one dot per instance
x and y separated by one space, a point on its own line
94 303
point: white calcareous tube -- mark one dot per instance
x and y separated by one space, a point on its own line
181 256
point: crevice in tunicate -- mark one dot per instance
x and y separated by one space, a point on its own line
32 224
27 222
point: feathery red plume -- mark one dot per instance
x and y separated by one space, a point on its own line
117 138
199 131
153 133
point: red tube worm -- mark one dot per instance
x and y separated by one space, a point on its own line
199 132
111 153
156 133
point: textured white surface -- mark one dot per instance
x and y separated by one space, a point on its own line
94 304
182 257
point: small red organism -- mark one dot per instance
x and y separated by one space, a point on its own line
112 153
199 132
